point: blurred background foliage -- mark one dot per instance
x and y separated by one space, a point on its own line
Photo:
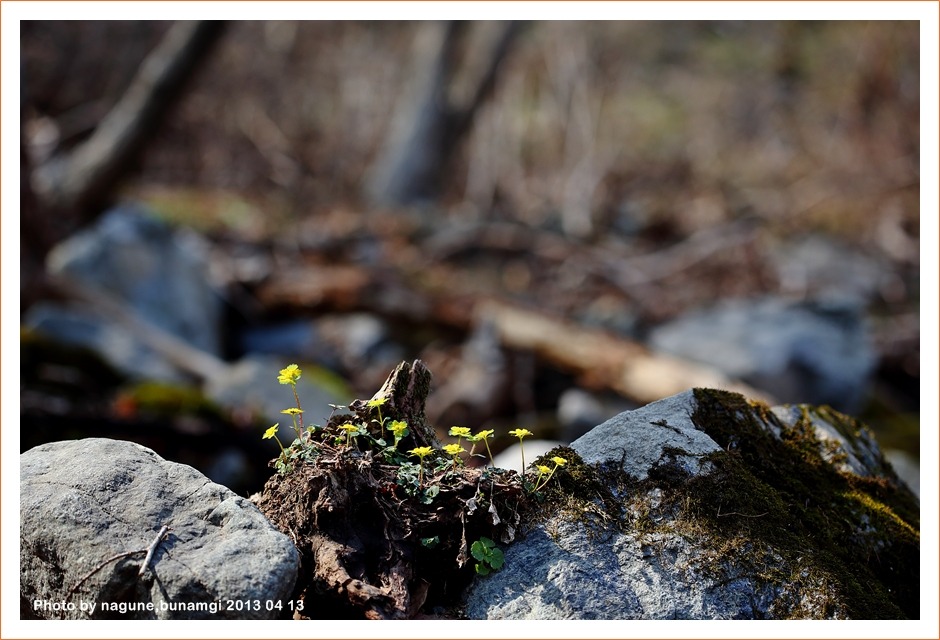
808 125
625 137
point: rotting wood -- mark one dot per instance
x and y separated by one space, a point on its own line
359 532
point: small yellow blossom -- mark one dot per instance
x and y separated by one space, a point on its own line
289 374
485 435
453 449
420 452
559 461
293 411
521 433
376 402
543 469
398 427
272 433
460 432
349 429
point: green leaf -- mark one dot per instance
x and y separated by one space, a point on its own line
497 559
478 551
430 543
482 570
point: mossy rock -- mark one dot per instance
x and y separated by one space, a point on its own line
707 505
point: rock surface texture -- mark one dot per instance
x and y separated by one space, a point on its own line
706 506
85 501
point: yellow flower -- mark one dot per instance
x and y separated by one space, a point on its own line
453 449
420 452
289 374
483 435
350 429
272 433
521 433
543 469
398 427
377 402
460 432
559 461
293 411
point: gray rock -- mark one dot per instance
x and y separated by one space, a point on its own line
638 440
722 538
818 266
817 352
161 272
114 344
84 501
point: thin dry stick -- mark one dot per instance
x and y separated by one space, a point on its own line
153 547
101 566
148 550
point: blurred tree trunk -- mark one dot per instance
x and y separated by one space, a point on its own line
71 189
430 121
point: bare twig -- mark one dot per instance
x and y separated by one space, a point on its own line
153 547
101 566
149 550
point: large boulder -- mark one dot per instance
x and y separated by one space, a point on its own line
83 503
815 351
159 271
707 506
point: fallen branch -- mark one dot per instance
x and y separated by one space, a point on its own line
149 550
177 351
89 173
153 547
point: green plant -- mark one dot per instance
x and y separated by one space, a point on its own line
521 433
490 557
399 429
421 452
290 375
459 432
272 433
351 431
484 435
454 450
295 414
376 403
546 473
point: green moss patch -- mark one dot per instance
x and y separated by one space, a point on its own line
856 535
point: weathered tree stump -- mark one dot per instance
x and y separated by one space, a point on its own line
370 548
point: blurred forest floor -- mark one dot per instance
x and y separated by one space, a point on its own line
619 174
